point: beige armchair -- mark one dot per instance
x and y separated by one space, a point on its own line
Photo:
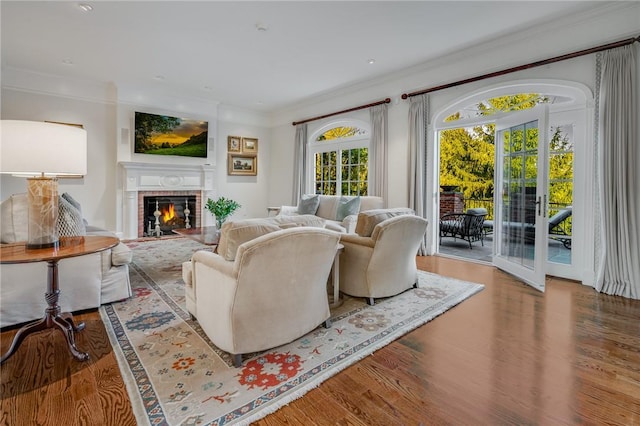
383 264
274 292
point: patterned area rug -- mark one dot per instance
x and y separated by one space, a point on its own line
176 376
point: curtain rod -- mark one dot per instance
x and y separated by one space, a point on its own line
386 101
527 66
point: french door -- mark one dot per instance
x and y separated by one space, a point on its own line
520 195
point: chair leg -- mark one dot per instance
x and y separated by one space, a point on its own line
237 360
327 323
370 301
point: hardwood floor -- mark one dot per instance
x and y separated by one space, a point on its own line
508 355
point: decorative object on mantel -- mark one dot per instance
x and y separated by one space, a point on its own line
176 376
249 145
42 152
222 208
242 165
234 144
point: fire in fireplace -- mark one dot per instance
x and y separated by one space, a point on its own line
165 213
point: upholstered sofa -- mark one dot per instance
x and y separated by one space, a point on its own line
85 281
341 213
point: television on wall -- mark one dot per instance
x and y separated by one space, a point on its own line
164 135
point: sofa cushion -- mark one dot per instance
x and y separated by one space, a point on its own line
298 220
369 219
308 204
235 233
347 206
14 219
70 223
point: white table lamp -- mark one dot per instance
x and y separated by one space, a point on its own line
41 152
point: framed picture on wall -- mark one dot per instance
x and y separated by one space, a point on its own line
249 145
234 143
242 165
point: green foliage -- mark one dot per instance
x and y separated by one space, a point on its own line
339 132
148 125
353 169
222 208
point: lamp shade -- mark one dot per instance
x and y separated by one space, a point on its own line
34 147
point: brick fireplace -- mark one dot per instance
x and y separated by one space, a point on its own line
172 206
168 181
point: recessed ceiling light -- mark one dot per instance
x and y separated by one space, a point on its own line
85 7
261 27
371 61
208 88
67 61
159 77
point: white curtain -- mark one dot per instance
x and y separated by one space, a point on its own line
299 163
618 266
418 118
379 152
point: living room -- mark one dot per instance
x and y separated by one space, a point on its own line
106 109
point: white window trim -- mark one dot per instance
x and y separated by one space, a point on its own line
314 147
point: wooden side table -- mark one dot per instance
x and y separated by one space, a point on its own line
53 318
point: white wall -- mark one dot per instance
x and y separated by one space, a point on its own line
250 191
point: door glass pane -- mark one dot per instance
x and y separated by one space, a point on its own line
519 192
560 211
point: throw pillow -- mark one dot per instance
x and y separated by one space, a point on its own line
368 220
308 204
75 204
347 206
70 223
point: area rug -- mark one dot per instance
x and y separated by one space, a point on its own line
176 376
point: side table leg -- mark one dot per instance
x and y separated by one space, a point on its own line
21 334
68 317
68 331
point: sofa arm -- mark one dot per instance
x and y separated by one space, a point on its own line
121 255
349 223
288 210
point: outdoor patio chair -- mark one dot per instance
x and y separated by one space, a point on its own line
466 226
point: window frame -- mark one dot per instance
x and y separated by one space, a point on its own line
339 145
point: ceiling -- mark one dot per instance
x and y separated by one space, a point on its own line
257 55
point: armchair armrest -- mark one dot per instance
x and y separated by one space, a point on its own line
357 239
214 261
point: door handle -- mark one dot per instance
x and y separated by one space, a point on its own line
539 204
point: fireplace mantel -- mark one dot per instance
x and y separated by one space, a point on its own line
154 177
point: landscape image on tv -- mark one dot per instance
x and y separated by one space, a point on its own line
164 135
